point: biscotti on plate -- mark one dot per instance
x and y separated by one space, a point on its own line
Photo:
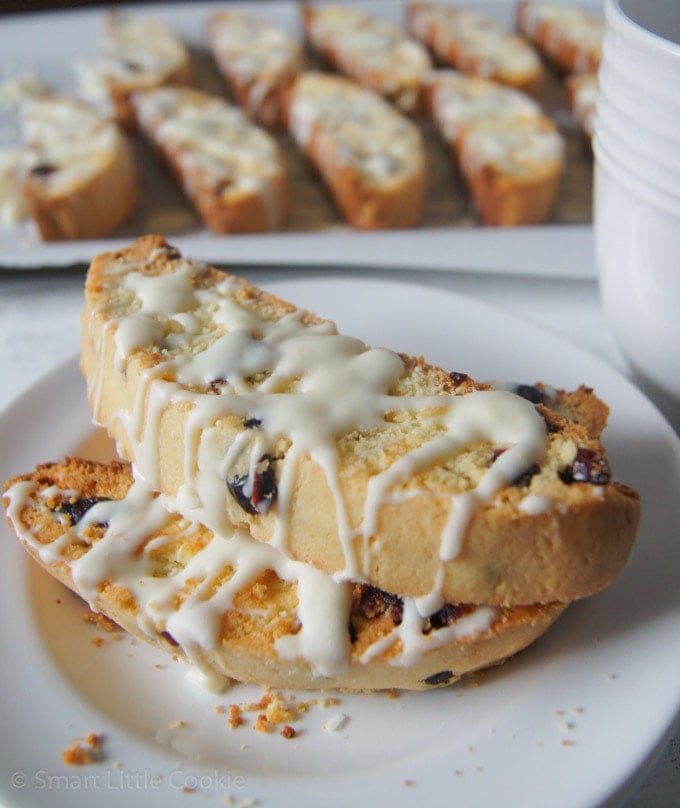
229 168
78 177
509 153
138 54
476 43
372 466
569 36
373 51
237 608
258 60
369 155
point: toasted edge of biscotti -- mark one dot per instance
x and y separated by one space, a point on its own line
374 648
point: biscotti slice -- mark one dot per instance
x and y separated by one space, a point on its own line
370 156
512 167
229 168
372 51
78 176
568 35
237 608
370 465
258 60
509 153
476 43
138 54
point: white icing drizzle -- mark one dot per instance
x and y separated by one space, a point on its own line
535 504
312 386
190 602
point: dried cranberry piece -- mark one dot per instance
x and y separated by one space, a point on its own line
442 618
77 509
531 393
43 170
168 636
588 467
375 602
262 487
441 678
458 378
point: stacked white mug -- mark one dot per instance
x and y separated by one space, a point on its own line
637 190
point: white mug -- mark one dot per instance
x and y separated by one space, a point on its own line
636 210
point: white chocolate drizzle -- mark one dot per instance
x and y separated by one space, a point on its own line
306 385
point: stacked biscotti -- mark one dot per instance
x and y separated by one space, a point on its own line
305 511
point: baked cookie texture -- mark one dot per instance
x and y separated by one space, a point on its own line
369 155
238 608
371 466
476 44
79 179
228 167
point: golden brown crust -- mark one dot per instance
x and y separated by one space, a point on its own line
263 610
570 548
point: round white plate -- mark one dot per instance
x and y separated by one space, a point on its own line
569 722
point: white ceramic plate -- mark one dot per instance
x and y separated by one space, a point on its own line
552 250
570 722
